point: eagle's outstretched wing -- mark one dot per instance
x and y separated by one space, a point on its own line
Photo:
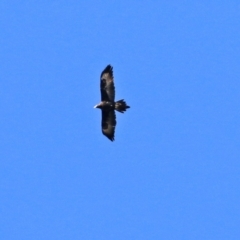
109 123
107 84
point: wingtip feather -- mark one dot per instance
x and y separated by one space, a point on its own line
108 69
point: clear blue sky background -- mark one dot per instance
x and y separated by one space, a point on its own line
173 171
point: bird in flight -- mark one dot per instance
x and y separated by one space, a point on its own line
108 104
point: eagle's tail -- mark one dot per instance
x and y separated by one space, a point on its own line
121 106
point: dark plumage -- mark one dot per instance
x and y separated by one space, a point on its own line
108 104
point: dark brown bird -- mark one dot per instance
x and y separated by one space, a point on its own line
108 104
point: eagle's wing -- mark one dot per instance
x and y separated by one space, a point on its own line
107 84
108 124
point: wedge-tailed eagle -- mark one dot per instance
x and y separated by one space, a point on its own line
108 104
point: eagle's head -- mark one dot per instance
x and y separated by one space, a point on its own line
98 105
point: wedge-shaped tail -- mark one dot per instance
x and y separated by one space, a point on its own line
121 106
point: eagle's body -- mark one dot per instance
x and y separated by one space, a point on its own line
108 104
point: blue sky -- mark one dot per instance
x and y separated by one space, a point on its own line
173 170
